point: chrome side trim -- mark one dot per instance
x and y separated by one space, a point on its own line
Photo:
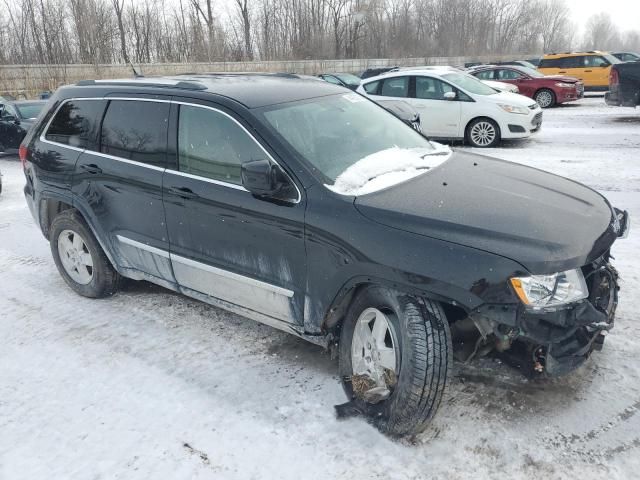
233 276
126 160
207 268
287 326
143 246
209 180
50 142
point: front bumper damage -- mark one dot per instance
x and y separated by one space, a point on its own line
553 342
564 339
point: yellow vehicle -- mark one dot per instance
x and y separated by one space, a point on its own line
592 68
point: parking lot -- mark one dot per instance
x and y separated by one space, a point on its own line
150 384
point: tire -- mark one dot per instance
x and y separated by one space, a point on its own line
545 98
423 342
483 133
98 281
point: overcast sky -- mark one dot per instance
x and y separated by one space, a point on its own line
624 13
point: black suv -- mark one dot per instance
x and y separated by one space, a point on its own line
307 207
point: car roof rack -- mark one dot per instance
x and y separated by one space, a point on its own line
232 74
146 82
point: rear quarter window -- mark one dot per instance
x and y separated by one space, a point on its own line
76 123
372 87
136 130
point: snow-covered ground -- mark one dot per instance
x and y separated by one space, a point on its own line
149 384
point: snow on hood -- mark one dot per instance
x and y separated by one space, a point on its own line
388 167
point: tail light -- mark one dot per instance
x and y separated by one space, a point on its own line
614 78
23 151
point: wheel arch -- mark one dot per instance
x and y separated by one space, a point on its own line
51 206
48 208
350 290
481 117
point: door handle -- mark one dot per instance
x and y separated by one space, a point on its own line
91 168
562 71
588 71
183 192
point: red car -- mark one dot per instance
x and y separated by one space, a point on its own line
547 90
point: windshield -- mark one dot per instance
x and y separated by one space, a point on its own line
531 72
336 132
469 83
29 110
348 78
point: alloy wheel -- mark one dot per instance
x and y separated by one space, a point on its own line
75 257
483 134
544 99
374 349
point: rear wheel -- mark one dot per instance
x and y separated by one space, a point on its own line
395 355
545 98
483 133
79 257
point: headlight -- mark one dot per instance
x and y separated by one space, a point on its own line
541 291
565 85
514 109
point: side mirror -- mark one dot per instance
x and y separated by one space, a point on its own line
263 178
10 118
450 95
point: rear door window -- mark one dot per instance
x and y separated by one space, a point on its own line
508 74
395 87
572 62
485 75
136 130
212 145
76 123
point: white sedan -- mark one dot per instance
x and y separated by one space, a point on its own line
455 105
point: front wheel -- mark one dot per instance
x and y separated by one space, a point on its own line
483 133
395 356
545 98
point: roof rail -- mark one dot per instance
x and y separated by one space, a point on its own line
231 74
146 82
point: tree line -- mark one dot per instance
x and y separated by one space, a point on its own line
145 31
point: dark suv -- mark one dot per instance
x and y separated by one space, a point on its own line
312 209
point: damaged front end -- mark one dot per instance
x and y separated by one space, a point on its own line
551 341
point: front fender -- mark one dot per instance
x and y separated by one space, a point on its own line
346 249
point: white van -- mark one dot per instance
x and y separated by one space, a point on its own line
455 105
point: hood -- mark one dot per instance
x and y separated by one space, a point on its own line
510 98
502 86
544 222
562 78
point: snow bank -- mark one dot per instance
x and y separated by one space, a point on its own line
388 167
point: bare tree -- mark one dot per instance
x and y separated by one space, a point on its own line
246 27
118 6
57 32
